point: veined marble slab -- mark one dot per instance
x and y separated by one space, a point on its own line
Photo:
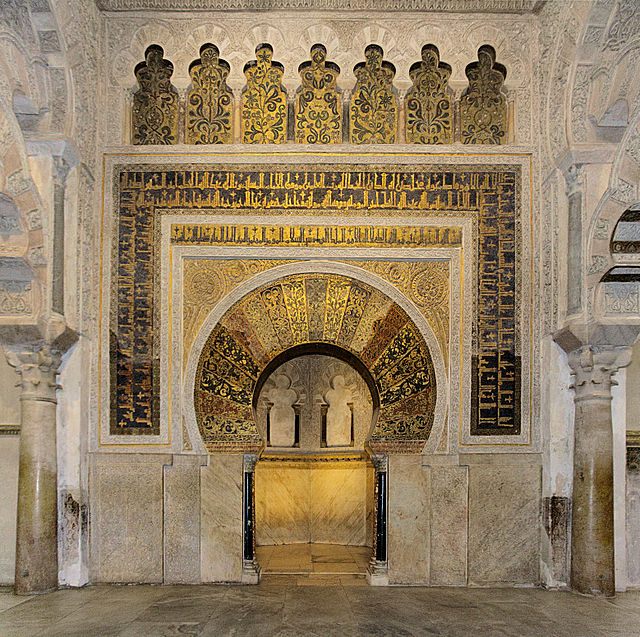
312 502
221 518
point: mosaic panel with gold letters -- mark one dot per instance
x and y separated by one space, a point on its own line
491 194
314 308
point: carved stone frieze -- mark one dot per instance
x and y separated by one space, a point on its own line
622 298
463 6
483 106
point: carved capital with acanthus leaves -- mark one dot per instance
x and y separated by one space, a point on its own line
593 369
38 369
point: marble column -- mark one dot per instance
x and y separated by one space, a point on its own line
250 566
378 572
36 543
592 536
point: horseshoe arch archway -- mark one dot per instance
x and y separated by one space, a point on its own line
296 308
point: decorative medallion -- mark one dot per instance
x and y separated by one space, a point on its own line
373 112
264 101
428 105
318 108
483 106
155 104
209 112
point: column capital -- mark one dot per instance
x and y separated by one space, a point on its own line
574 178
380 461
249 462
593 368
38 368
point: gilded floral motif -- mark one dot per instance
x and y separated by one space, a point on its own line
318 107
429 105
373 112
264 101
209 112
155 103
483 106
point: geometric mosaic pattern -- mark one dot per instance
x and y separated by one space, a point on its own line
314 308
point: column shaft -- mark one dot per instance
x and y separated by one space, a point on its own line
592 553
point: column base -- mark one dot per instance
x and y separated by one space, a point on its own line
251 572
377 573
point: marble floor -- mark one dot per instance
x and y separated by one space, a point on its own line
280 608
313 560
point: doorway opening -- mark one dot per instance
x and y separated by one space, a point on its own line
314 481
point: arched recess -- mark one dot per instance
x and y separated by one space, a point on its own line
377 325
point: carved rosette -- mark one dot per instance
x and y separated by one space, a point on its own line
483 106
209 113
373 112
155 104
593 370
37 369
428 105
264 101
318 105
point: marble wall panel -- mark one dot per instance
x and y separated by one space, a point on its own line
504 519
9 461
448 509
633 527
338 505
126 517
408 543
221 518
283 495
10 394
182 521
312 502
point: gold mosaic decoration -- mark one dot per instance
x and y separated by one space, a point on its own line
426 284
373 112
264 101
318 107
300 309
155 103
316 235
207 281
429 105
209 112
483 106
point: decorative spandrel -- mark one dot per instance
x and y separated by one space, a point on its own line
264 101
373 112
429 107
209 112
318 106
483 106
155 103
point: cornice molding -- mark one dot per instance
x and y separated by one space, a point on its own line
452 6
